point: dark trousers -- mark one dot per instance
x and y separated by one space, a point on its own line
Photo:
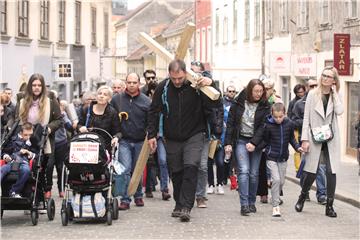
183 161
309 178
56 160
262 186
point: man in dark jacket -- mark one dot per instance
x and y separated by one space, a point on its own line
132 106
180 109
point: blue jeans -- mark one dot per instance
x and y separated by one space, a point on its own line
203 172
24 174
321 182
248 172
220 171
128 154
164 173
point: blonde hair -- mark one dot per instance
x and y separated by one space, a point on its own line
319 89
106 88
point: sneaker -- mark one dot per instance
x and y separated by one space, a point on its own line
124 206
264 199
201 203
220 189
322 201
252 208
165 195
139 202
245 211
149 195
210 190
185 215
176 213
276 212
15 195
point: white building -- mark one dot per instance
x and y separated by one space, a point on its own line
37 36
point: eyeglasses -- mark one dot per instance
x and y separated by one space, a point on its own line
313 86
196 63
327 76
150 78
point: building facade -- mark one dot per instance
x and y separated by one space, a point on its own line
203 32
63 40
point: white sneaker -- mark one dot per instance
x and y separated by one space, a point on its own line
220 190
276 212
210 190
15 195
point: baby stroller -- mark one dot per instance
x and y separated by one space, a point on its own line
33 192
88 176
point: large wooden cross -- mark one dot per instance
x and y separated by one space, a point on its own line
193 77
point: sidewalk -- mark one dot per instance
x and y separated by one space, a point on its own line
347 180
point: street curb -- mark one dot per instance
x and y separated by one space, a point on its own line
338 196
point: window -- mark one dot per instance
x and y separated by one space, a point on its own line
93 26
23 18
198 44
303 14
3 12
44 20
268 16
324 10
235 20
217 30
352 117
257 19
225 29
106 30
283 15
247 20
62 21
77 22
351 10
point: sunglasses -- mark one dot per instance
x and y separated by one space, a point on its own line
313 86
150 78
327 76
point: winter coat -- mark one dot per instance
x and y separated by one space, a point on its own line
233 124
277 138
291 106
314 116
183 111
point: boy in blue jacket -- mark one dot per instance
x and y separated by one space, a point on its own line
278 133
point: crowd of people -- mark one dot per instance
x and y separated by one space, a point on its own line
251 129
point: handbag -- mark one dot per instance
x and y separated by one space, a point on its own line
324 133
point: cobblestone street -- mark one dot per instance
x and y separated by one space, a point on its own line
221 220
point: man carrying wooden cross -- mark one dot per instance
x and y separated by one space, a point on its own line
177 110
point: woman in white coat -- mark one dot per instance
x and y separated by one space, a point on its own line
322 107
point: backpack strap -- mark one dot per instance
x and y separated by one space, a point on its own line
88 114
166 104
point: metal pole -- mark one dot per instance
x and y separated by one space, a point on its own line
262 37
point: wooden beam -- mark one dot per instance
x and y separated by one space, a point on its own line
185 41
211 92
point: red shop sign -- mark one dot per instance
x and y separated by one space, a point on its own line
342 53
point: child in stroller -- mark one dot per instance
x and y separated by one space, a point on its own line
17 155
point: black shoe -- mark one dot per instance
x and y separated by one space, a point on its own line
165 195
185 215
176 213
300 203
329 210
245 211
252 208
307 198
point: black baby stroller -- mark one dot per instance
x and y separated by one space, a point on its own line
88 176
32 195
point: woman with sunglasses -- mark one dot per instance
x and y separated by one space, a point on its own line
322 106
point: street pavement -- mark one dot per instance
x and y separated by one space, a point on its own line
221 220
